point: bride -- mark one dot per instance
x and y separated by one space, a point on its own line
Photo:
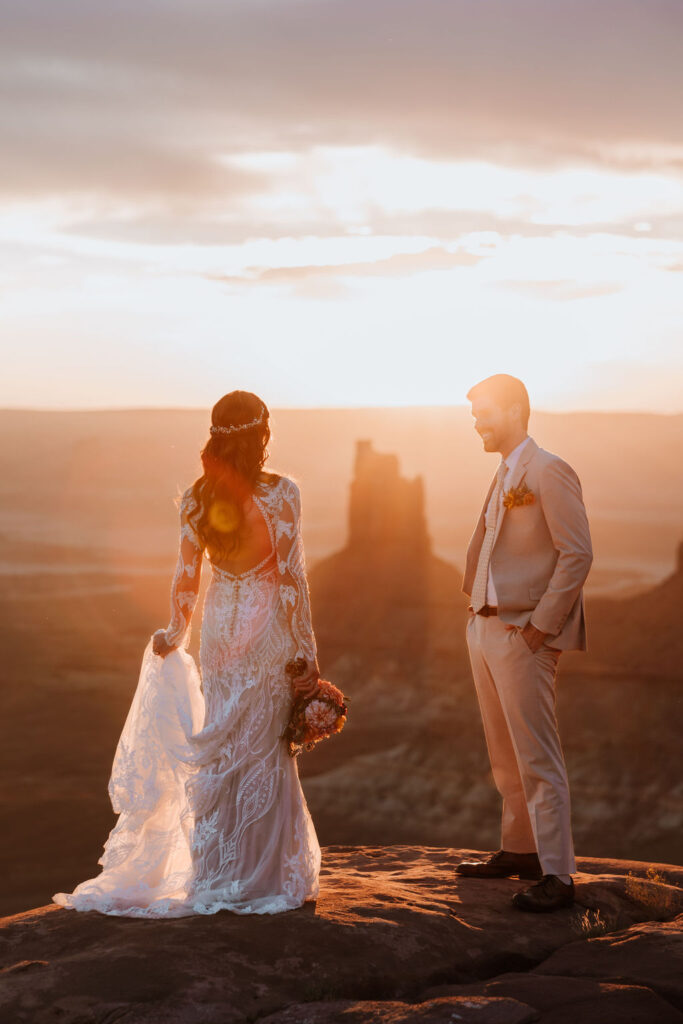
211 811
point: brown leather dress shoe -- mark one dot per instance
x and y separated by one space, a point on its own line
502 864
547 895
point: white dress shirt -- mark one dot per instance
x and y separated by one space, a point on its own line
511 462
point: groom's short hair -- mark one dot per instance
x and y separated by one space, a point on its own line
504 391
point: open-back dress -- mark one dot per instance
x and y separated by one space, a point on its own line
211 811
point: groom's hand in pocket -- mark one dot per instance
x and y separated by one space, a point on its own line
534 638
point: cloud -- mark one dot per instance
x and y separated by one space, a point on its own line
130 99
397 265
561 291
192 224
184 222
92 163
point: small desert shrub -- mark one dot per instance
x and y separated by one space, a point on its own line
590 924
654 891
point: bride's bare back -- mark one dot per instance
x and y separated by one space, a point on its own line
256 544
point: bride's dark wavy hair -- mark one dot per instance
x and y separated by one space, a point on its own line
232 464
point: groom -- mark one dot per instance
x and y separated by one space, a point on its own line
526 565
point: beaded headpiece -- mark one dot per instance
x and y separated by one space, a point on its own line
241 426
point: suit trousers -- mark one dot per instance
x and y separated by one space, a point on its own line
516 692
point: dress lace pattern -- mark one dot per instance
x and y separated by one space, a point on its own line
212 815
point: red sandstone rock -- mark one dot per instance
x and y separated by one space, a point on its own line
649 954
560 1000
390 923
463 1010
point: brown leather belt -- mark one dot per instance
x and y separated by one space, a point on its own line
487 610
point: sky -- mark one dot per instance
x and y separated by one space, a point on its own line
341 202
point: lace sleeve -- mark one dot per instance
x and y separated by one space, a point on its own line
293 583
185 586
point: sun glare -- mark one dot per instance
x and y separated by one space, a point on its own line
388 276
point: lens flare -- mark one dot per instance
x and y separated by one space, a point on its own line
223 516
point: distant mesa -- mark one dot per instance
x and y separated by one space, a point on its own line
386 595
386 511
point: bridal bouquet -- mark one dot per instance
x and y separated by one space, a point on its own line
316 717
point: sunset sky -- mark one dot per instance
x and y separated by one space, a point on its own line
336 202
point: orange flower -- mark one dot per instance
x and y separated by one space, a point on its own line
518 496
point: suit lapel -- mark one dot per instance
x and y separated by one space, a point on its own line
518 474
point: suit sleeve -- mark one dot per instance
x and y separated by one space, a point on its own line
565 514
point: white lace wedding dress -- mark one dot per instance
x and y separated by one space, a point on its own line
211 811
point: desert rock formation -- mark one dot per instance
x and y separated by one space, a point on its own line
385 594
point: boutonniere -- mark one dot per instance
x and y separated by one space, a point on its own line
518 496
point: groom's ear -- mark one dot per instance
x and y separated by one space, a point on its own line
516 410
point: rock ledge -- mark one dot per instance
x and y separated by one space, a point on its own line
396 936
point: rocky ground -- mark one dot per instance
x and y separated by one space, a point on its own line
395 936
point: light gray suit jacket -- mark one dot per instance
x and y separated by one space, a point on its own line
541 552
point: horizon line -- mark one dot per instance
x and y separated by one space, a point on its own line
324 408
